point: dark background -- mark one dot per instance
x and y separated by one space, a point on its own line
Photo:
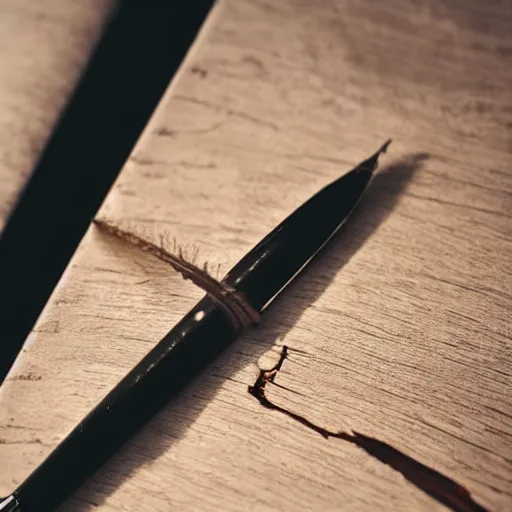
139 52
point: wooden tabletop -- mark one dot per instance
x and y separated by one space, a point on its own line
43 48
401 331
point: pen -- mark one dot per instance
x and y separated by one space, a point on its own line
209 328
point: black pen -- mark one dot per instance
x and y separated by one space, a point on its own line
209 328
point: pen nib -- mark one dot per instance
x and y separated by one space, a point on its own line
370 164
384 147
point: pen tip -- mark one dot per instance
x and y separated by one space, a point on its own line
371 163
384 147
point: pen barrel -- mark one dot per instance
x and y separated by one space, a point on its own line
192 344
284 252
184 352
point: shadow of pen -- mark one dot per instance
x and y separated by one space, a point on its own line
158 436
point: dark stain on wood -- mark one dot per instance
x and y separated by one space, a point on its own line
199 71
435 484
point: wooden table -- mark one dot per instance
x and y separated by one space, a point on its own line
401 331
43 48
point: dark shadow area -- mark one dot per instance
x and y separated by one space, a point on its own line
172 423
139 52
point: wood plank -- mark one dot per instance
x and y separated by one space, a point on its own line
401 331
43 48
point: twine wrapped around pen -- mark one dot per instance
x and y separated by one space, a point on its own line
237 308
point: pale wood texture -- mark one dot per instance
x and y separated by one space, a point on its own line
404 323
44 46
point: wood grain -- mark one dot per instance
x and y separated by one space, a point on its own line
403 326
43 48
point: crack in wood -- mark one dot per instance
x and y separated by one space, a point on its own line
435 484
